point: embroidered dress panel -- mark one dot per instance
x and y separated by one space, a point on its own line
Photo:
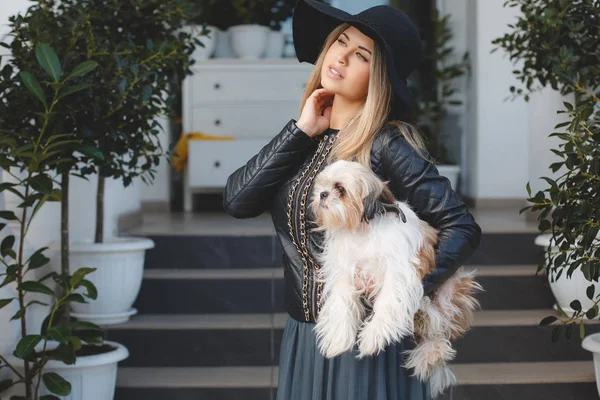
296 212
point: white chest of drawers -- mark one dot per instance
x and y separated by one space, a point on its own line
249 100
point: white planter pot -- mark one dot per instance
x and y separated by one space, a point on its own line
249 41
209 41
592 343
223 45
92 377
451 172
118 277
275 44
566 290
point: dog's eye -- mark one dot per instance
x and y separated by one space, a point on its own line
339 188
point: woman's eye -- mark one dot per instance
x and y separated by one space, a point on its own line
341 41
362 57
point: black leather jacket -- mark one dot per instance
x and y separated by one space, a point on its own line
278 179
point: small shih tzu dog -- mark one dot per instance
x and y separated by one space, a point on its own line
376 252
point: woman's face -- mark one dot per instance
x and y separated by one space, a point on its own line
351 56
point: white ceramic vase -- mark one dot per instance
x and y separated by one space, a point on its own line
566 290
249 41
119 264
275 44
92 377
209 41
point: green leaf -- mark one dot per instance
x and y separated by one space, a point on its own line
41 183
5 302
548 320
72 89
38 259
590 291
92 152
27 345
82 69
79 275
575 305
6 246
592 312
59 333
74 297
36 287
92 292
32 84
5 384
581 329
556 333
561 311
8 215
83 325
48 59
56 384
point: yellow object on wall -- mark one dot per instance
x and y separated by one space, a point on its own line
181 147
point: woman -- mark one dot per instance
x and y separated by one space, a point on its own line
352 108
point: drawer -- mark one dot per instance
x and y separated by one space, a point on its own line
246 85
211 162
243 121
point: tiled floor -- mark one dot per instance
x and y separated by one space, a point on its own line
491 221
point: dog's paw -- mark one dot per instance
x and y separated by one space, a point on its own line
335 337
371 341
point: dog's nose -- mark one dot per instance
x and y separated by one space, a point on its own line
324 195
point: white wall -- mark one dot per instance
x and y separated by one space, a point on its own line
159 190
507 141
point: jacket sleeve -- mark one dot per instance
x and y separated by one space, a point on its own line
417 181
250 189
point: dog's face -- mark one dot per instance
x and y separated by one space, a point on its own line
347 195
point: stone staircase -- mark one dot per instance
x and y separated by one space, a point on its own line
211 320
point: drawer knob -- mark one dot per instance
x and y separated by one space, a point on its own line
217 164
217 122
217 85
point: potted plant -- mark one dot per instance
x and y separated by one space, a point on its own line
35 150
556 43
431 108
134 83
249 36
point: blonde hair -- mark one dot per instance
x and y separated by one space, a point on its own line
356 138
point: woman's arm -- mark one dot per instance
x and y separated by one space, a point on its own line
417 181
250 189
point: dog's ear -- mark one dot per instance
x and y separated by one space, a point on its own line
372 206
389 202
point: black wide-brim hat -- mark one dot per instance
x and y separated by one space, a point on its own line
313 21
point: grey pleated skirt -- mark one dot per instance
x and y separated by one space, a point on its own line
304 374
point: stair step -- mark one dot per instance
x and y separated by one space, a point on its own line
255 339
265 273
566 380
216 249
483 318
261 290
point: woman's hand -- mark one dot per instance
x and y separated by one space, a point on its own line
316 113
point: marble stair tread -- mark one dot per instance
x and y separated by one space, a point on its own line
491 220
277 273
195 377
277 320
524 372
265 376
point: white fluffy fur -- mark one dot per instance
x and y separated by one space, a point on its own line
383 255
386 255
